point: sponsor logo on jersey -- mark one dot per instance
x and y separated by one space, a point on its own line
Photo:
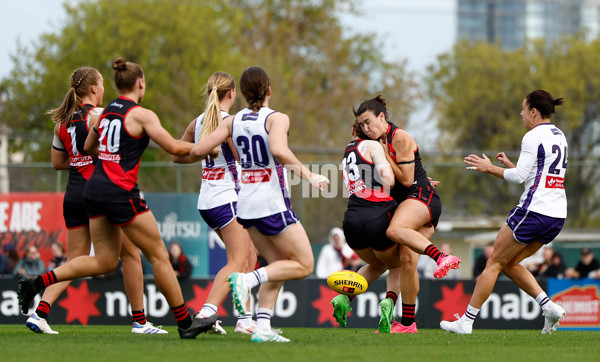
355 186
555 182
256 176
80 161
110 157
213 173
115 104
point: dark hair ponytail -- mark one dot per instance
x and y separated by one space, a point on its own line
375 105
543 102
254 84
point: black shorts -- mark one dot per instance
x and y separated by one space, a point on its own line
74 213
368 234
120 208
430 198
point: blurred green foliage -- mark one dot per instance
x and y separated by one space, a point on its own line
318 72
478 89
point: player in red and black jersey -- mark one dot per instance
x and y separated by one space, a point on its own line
113 201
368 178
72 118
419 206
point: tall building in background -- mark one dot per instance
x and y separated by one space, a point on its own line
513 22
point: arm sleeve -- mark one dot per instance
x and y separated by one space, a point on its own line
527 159
57 144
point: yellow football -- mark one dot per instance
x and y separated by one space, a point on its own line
347 282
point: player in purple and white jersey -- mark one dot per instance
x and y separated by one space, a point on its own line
217 201
536 220
260 135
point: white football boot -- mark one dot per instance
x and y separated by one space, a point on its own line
458 327
147 328
552 317
39 325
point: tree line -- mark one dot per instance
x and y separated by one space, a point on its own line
318 71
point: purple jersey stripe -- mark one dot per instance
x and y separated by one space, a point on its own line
541 156
231 161
281 176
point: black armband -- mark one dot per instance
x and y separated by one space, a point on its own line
406 162
95 129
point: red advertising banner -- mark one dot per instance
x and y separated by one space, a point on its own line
32 219
581 300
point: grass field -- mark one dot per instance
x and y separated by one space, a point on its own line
116 343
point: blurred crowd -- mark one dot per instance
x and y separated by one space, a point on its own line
30 263
335 255
548 263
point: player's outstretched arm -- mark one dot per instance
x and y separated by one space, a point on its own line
152 126
278 144
207 146
188 136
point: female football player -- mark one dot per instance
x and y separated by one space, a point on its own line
73 119
419 206
536 220
259 135
113 201
217 201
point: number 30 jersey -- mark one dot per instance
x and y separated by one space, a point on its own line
219 176
542 166
264 188
119 152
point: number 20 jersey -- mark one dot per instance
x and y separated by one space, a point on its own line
264 188
119 152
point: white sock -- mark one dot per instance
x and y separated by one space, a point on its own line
543 300
256 277
470 314
208 310
263 320
245 320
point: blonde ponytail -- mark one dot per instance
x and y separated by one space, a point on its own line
212 114
217 87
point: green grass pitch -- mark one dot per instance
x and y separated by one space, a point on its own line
116 343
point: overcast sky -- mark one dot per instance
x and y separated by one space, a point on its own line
411 29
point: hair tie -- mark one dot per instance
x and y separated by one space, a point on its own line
214 88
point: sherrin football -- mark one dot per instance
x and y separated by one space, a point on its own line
347 282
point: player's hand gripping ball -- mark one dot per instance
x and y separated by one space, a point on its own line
347 282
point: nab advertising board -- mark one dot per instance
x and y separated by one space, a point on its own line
302 303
